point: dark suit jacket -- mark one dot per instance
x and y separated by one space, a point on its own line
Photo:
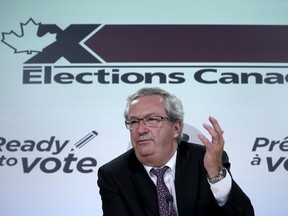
126 189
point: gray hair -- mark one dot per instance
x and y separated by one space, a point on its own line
173 105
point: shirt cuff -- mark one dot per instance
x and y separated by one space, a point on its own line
222 189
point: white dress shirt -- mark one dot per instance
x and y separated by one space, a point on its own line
219 189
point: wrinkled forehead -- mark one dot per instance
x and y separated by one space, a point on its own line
147 105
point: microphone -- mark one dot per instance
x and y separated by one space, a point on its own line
169 200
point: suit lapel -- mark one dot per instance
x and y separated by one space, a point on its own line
187 171
145 186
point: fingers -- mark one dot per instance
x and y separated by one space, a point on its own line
215 132
214 147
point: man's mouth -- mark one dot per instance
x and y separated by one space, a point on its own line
143 141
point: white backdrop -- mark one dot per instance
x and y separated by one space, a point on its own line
53 137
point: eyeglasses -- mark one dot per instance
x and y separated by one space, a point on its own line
150 121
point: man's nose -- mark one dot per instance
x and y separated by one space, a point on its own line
142 127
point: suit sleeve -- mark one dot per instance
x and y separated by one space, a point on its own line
112 202
238 203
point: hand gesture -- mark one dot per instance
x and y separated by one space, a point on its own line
214 148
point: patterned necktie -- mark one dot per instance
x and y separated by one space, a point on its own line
162 192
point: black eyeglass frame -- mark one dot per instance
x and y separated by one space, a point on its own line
157 119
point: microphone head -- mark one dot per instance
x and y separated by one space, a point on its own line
169 198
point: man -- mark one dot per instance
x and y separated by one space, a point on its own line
197 178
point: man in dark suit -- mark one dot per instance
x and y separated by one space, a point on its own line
197 178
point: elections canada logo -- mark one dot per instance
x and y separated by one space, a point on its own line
264 146
18 153
150 54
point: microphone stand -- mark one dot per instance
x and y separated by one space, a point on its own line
169 200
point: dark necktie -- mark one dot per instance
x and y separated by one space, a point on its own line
162 192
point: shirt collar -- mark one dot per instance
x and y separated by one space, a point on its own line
171 164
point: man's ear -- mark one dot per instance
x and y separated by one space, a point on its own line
178 125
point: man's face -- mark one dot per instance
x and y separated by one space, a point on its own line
153 146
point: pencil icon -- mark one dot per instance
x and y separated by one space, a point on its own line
83 141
